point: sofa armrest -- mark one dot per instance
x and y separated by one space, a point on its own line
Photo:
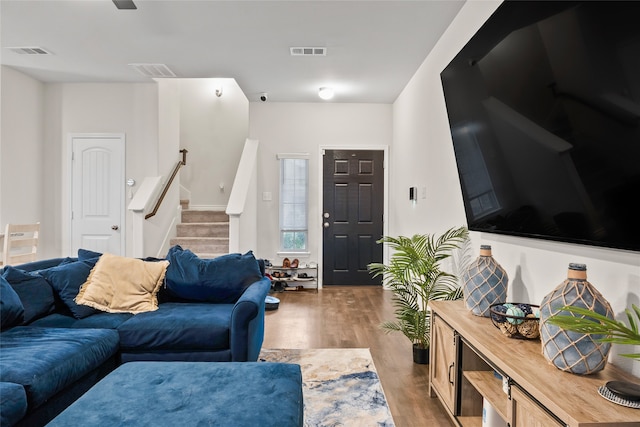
247 322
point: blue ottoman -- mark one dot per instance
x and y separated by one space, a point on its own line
238 394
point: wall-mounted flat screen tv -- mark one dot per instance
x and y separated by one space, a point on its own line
544 109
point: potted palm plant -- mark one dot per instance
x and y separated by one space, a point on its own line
415 276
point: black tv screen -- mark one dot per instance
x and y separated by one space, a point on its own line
544 109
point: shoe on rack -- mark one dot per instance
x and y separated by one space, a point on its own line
286 263
295 263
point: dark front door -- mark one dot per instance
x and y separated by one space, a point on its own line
353 201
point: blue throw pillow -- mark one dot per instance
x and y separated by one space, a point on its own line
84 254
88 257
221 280
11 308
35 293
66 280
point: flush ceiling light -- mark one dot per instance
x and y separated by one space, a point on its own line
325 92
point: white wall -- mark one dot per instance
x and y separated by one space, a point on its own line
213 129
22 154
38 118
304 128
160 228
423 156
131 109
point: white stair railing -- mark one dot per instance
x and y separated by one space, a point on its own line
242 207
139 205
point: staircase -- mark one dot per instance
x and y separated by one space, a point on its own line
205 233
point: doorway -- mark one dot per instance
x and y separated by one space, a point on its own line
353 203
97 193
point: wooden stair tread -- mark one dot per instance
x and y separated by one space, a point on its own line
200 238
204 232
204 224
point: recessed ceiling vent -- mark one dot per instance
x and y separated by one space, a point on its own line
34 50
125 4
308 51
153 70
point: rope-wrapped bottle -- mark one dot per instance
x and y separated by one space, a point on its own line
573 351
485 283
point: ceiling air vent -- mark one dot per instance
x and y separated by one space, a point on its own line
34 50
308 51
153 70
125 4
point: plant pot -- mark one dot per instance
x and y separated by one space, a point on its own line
420 355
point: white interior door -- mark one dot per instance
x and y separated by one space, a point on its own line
97 182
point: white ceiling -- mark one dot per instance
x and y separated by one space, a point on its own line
373 47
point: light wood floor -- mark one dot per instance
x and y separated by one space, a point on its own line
349 317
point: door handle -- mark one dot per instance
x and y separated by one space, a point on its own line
115 227
449 374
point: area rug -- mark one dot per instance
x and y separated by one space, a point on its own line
340 386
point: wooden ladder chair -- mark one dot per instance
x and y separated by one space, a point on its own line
20 243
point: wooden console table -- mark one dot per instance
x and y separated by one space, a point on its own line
469 355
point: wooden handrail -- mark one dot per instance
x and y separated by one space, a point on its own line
168 184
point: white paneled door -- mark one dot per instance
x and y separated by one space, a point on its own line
97 216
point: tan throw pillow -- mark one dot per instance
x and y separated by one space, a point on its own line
123 285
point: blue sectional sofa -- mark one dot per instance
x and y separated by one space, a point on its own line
68 322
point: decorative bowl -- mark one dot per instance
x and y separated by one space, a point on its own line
517 320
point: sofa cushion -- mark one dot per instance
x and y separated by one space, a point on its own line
123 285
99 320
103 320
46 360
14 403
35 293
178 326
11 308
56 320
222 279
66 280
